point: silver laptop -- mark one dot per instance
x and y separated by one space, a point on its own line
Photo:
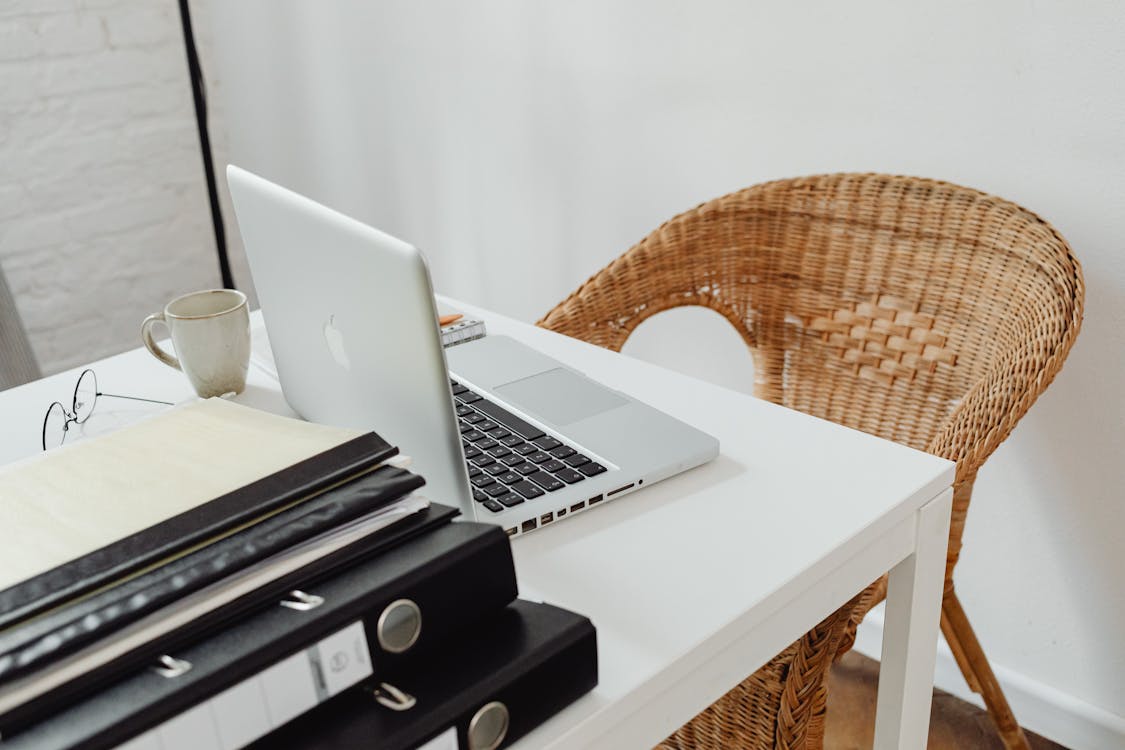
510 435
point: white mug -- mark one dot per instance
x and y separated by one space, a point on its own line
211 335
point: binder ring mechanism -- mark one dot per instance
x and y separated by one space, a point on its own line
489 726
302 602
388 696
399 626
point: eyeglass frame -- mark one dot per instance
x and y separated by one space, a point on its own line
72 415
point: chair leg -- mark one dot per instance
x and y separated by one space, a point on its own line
978 672
959 653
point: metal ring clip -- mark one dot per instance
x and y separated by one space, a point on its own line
301 601
389 696
169 666
489 726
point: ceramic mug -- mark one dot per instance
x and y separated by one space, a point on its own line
211 335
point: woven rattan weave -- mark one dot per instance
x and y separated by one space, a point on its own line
924 312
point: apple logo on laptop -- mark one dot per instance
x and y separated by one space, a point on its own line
335 340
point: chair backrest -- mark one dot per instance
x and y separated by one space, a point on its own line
917 310
17 362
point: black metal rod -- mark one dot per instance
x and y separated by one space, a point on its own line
199 94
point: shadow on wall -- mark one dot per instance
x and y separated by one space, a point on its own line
17 362
1060 460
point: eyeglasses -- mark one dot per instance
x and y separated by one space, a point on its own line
58 420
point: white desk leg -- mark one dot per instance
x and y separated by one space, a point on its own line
910 630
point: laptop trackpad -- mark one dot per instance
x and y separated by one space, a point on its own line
560 396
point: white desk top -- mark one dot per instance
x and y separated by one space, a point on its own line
669 575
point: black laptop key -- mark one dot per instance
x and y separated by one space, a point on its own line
511 459
552 465
546 481
474 473
499 433
465 427
510 500
471 452
472 435
524 449
487 443
483 460
538 457
468 398
527 489
498 452
568 475
472 418
486 425
511 441
508 477
562 451
479 495
511 421
464 411
482 481
591 468
576 460
493 506
547 443
496 490
458 389
495 469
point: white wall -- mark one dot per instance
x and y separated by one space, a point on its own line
525 144
103 207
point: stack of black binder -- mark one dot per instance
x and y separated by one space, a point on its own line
324 606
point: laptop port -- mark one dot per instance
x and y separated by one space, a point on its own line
620 489
511 531
528 525
595 499
560 512
546 518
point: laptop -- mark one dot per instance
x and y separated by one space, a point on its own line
505 432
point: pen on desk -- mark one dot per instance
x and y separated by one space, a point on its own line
445 320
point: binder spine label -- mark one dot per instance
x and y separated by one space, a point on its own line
256 706
343 660
447 740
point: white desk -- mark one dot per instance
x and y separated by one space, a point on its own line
695 582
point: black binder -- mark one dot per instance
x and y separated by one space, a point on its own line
504 677
148 546
456 575
46 702
68 628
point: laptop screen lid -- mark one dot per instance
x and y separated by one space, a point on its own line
352 322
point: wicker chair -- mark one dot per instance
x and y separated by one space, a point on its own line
920 311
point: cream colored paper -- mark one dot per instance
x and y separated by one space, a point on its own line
75 499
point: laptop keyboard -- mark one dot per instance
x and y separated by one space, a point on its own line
510 460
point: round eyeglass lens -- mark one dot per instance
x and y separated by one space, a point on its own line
85 394
54 426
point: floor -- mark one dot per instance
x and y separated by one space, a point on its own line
954 724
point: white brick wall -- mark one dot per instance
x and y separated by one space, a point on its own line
103 205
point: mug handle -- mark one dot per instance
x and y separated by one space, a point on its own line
150 343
